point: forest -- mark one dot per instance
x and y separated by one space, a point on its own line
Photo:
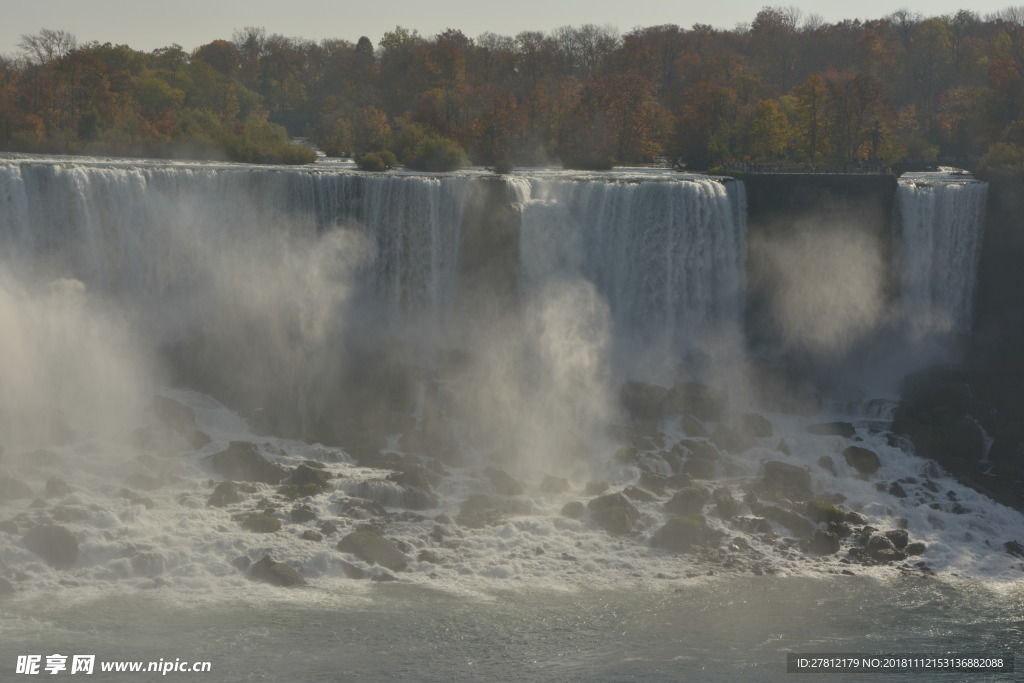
786 90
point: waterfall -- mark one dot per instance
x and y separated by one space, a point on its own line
939 217
668 256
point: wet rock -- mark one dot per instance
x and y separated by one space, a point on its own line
276 573
688 501
414 475
823 543
328 528
552 484
428 556
6 588
865 461
241 461
843 429
753 424
351 571
371 547
653 482
727 506
825 462
595 488
881 549
13 489
915 548
226 493
259 522
898 537
241 563
787 477
682 534
787 518
699 468
693 398
614 513
503 483
574 509
754 525
55 544
822 512
302 513
896 490
309 481
644 402
640 494
856 518
731 440
9 526
310 535
383 576
57 488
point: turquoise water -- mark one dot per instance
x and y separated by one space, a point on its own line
714 629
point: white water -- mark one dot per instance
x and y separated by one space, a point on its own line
273 271
939 250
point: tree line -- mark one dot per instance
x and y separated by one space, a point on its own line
785 89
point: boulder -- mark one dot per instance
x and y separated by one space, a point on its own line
823 543
788 477
310 535
6 588
688 501
682 534
644 402
55 544
614 513
241 461
899 538
574 509
595 488
787 518
727 506
699 468
865 461
259 522
226 493
275 573
310 481
302 513
370 546
503 483
13 489
640 494
731 440
824 513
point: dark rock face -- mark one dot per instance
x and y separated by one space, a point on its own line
822 512
823 543
731 440
784 476
226 493
727 506
799 526
57 488
504 483
614 513
688 501
275 573
260 522
682 534
6 588
865 461
55 544
644 402
241 461
552 484
574 509
371 547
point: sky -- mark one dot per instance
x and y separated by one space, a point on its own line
150 24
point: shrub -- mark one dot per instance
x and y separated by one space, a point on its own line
377 161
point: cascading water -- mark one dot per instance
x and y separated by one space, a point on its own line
481 438
939 219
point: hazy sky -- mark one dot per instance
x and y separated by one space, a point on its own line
149 24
